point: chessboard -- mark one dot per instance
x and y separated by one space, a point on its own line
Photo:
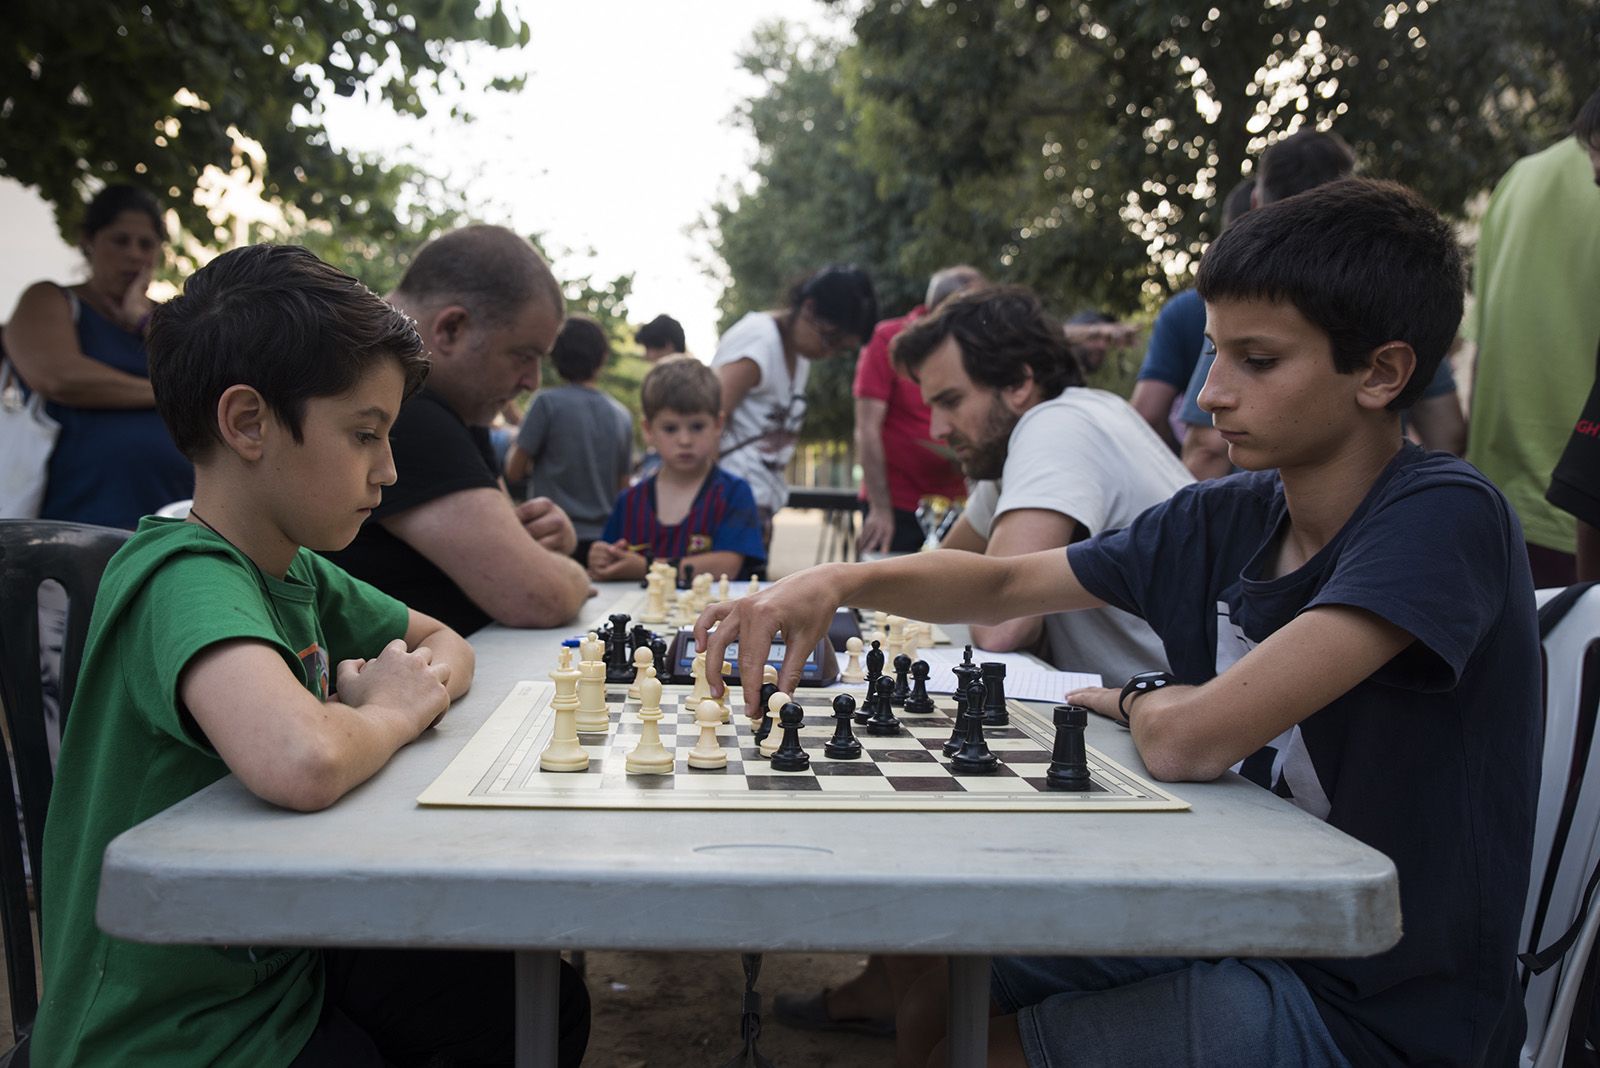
634 601
499 767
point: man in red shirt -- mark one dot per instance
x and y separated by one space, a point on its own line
900 462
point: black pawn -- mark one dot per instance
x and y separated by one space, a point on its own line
882 722
789 756
902 688
765 727
1069 761
874 673
974 758
995 713
919 703
843 745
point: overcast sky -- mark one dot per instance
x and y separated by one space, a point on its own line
619 143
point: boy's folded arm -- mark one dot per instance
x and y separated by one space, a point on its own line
475 537
715 563
284 744
1196 733
448 647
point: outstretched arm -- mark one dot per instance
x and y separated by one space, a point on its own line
934 587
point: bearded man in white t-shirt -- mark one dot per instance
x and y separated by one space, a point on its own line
1051 461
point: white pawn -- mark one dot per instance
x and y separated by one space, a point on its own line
754 587
650 757
655 608
642 659
723 591
564 753
852 668
593 715
708 752
774 738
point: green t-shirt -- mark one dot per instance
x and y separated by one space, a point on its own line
131 751
1536 319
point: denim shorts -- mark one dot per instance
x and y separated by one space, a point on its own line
1135 1011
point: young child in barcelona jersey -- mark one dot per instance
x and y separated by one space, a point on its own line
1349 622
689 510
222 644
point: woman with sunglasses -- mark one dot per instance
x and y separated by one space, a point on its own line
763 362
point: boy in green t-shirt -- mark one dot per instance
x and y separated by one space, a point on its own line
220 644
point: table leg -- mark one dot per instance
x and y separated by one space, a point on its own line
968 1038
538 1007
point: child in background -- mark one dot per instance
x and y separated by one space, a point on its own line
575 445
222 644
690 510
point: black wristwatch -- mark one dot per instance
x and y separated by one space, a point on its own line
1142 683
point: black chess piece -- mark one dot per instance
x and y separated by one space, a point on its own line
618 667
1069 761
995 713
966 675
874 672
843 745
882 723
902 688
919 703
765 727
686 576
789 756
974 758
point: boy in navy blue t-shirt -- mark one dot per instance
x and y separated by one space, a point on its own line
689 510
1349 623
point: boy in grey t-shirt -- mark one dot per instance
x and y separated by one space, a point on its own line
575 445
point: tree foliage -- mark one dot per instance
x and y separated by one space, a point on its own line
164 93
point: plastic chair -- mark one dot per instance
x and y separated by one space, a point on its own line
74 555
1566 839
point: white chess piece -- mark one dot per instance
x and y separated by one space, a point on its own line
564 753
910 639
774 738
754 587
655 606
650 757
880 628
708 752
697 672
722 702
853 671
642 658
723 591
593 715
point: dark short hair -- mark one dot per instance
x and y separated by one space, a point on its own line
1303 161
1366 262
1003 332
1238 201
279 320
488 270
580 349
662 332
113 200
682 384
1586 127
843 297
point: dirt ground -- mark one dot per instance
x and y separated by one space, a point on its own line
658 1010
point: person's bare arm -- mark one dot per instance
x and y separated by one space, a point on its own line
475 537
962 536
1205 453
1152 398
519 465
1588 552
1195 733
291 749
1026 530
716 563
449 649
738 378
877 530
41 341
935 587
1439 423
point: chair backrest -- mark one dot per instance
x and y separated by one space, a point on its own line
75 556
1566 838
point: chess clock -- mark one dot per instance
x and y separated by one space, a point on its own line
821 667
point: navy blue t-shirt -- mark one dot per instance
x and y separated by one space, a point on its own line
1432 760
1175 340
